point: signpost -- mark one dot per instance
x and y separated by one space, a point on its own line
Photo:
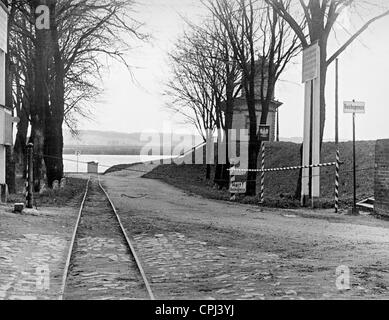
354 107
337 167
264 133
3 111
264 136
310 188
3 27
237 187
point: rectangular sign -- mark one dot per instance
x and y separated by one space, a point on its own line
3 29
311 62
264 133
238 187
354 107
6 125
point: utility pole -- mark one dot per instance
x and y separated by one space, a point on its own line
354 108
337 105
337 138
29 183
278 126
355 210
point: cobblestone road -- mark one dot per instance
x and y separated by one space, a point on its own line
33 252
200 249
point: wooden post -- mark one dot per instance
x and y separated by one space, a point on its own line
337 170
29 182
263 173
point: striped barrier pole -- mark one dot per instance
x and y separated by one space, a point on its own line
330 164
29 181
337 181
263 173
232 180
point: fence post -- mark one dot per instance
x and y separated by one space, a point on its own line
232 180
29 182
337 180
263 174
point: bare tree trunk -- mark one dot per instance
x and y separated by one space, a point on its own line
40 101
20 143
253 146
10 161
55 114
208 172
225 175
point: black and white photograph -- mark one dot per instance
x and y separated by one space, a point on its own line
194 155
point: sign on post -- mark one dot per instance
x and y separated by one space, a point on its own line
310 187
238 187
4 136
311 63
354 107
264 133
3 28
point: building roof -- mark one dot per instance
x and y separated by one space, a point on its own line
241 104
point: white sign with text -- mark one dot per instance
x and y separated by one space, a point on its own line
3 29
354 107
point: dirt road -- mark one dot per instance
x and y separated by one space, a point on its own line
204 249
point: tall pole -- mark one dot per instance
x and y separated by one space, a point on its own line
278 125
337 138
354 169
263 173
29 193
337 105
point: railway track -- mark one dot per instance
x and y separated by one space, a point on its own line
102 263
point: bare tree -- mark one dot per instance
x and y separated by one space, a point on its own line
263 45
191 89
57 68
204 81
319 19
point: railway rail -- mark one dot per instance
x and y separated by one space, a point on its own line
102 263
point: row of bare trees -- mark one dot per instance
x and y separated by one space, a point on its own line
57 52
247 39
241 41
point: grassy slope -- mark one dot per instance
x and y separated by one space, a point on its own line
280 186
73 191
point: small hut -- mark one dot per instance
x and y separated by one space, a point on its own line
93 167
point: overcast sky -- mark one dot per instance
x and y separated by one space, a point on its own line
130 107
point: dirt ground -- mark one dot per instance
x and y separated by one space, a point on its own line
192 247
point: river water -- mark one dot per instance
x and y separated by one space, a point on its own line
105 161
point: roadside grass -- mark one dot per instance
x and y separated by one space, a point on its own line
280 186
72 192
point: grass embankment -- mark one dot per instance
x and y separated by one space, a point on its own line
280 186
66 196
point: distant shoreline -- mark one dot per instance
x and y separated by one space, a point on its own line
107 150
